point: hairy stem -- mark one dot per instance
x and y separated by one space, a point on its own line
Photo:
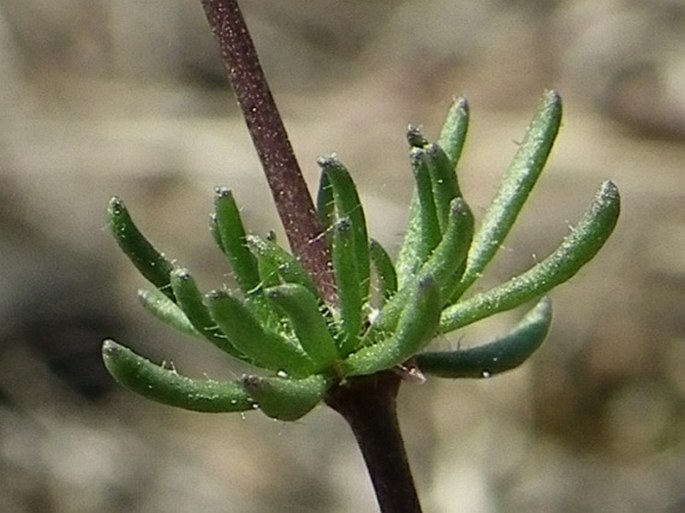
292 198
369 406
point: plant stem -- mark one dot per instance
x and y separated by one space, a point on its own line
368 403
293 201
369 406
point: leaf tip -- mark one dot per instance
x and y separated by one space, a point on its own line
109 348
415 138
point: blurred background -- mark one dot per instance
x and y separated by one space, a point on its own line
105 97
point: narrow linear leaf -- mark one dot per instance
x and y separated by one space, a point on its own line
248 335
577 248
385 271
325 202
408 258
166 386
348 285
416 327
269 272
167 311
451 141
446 261
286 399
444 183
413 248
443 266
453 133
289 268
304 311
430 226
348 205
513 191
269 276
495 357
423 228
152 264
190 300
214 231
233 240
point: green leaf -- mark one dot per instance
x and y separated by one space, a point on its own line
446 261
430 226
416 327
286 399
325 202
304 311
214 231
167 311
348 285
190 300
443 181
269 272
408 257
424 219
453 133
275 257
577 248
348 206
513 191
385 271
496 357
262 347
152 264
443 266
423 229
242 260
233 239
165 385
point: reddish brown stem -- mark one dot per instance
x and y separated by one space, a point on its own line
369 406
292 198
